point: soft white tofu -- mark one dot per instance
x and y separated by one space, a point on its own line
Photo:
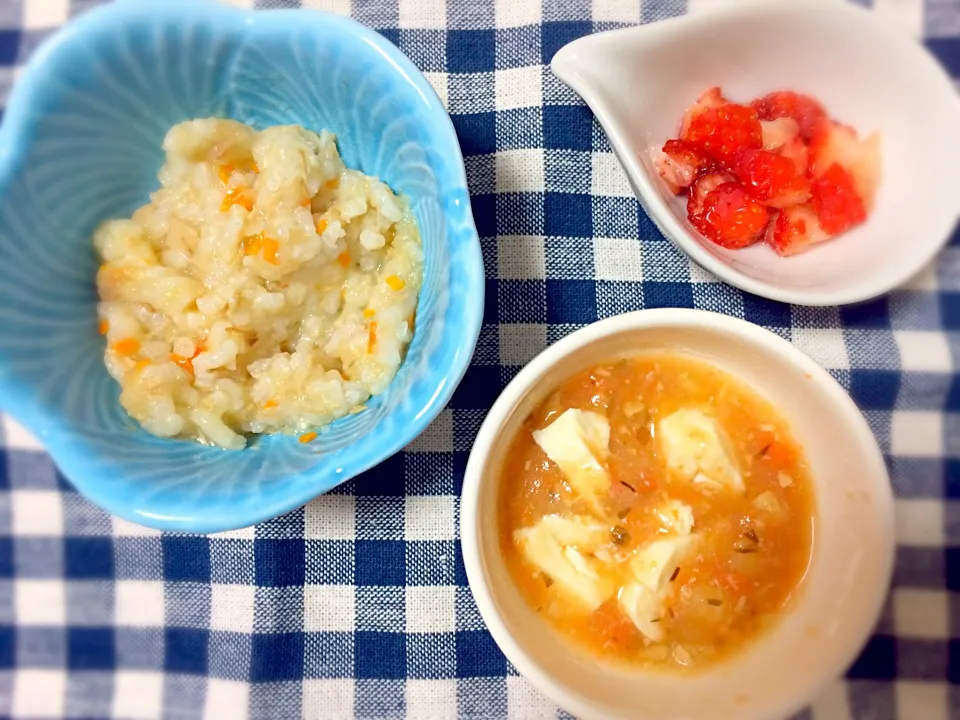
675 517
580 532
578 442
557 546
655 562
697 449
643 607
641 597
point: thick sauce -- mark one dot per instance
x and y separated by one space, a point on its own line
736 567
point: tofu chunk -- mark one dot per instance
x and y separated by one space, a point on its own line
641 598
580 532
558 547
655 562
643 607
675 518
578 442
697 449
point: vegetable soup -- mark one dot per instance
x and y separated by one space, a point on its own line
656 510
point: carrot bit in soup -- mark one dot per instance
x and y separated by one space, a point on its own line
308 437
321 226
307 202
777 453
141 364
269 404
396 283
127 346
104 327
332 183
372 337
236 196
254 167
344 259
369 313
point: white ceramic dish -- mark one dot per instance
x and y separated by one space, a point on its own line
851 561
638 81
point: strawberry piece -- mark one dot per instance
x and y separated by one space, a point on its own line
711 98
777 133
678 164
701 187
803 109
772 179
796 151
835 143
836 202
721 132
731 218
794 230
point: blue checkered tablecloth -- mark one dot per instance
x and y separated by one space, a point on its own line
357 604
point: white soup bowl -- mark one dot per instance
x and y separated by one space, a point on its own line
834 611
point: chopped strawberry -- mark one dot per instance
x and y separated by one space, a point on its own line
777 133
772 179
777 168
796 151
784 104
711 98
703 185
794 230
836 202
731 218
678 164
835 143
723 131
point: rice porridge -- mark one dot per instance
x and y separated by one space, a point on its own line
265 288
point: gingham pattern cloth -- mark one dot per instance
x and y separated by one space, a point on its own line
357 604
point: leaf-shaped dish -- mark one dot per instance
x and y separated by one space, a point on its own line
639 80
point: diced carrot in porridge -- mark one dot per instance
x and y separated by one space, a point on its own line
244 322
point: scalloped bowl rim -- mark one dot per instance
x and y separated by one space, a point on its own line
15 138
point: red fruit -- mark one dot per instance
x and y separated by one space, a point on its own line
731 218
711 98
723 131
772 179
834 143
836 202
794 230
784 104
703 186
796 151
678 164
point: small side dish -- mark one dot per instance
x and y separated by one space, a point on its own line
656 510
778 169
265 287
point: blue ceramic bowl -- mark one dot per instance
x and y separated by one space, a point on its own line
81 142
